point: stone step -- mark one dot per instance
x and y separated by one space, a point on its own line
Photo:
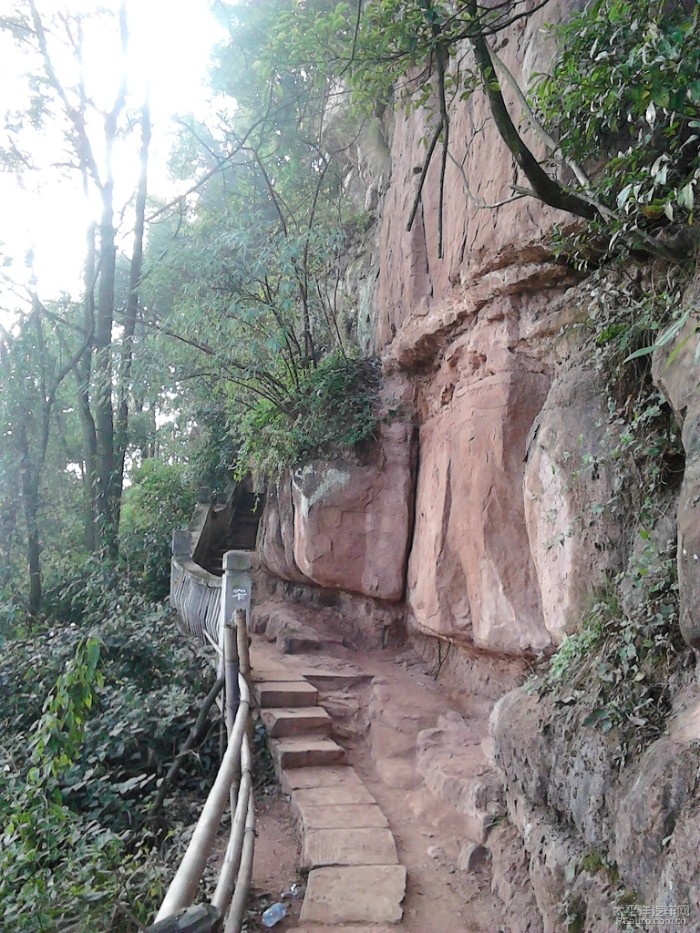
341 816
354 894
455 769
303 752
331 796
304 720
324 928
369 846
283 695
329 679
477 796
277 675
295 779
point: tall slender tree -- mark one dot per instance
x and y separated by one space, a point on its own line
91 131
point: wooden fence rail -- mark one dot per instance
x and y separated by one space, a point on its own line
234 780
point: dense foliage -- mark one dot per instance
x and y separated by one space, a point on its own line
250 280
623 98
92 711
160 499
331 411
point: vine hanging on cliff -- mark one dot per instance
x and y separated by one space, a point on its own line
635 57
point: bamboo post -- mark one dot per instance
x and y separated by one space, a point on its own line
232 859
231 675
244 657
200 919
186 881
245 874
232 700
243 645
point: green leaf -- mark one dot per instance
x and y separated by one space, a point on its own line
623 196
686 196
666 338
597 717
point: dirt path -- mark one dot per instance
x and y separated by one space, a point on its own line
422 750
406 739
276 861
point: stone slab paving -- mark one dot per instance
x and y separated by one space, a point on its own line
277 675
296 778
275 694
355 894
349 816
302 720
370 846
346 841
333 679
302 751
330 796
315 928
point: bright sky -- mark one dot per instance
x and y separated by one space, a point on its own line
170 42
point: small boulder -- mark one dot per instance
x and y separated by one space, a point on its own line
472 857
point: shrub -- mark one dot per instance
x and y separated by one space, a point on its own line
624 98
332 410
159 499
91 713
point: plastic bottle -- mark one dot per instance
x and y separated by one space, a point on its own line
274 914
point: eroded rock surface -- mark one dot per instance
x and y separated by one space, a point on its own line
344 525
414 281
580 815
568 481
677 373
470 574
352 523
511 531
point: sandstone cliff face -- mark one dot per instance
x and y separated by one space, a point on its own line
341 525
496 553
415 286
471 334
677 372
479 407
498 539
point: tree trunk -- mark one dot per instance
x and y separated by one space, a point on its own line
545 188
122 422
104 319
103 408
89 455
82 377
30 503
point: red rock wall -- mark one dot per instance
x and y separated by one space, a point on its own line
413 281
473 332
474 339
677 373
343 525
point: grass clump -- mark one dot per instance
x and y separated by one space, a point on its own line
332 409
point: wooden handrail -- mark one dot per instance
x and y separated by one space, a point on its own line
232 860
234 781
202 918
183 887
236 914
215 609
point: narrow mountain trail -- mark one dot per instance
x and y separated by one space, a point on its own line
421 751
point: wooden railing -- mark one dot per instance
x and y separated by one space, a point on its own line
216 610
